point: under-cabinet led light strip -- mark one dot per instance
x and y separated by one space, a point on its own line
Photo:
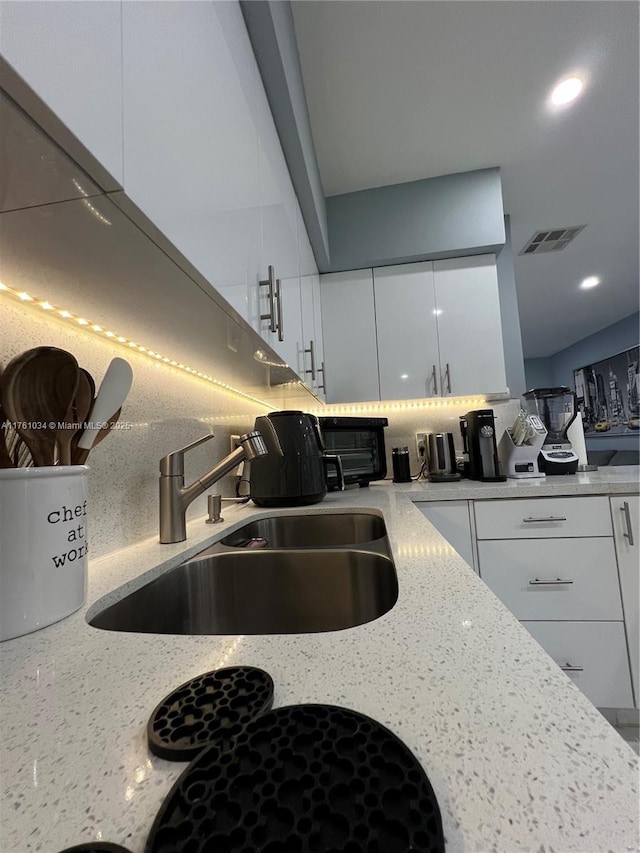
399 405
114 337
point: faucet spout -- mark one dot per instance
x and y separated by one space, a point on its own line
175 497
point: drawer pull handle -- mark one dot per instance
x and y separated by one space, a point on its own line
624 509
556 582
548 518
570 668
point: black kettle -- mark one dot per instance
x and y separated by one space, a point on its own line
294 471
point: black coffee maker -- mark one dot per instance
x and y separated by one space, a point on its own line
479 439
294 472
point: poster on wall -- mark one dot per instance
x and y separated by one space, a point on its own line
608 394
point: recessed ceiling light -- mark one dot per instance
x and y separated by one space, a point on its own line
566 91
591 281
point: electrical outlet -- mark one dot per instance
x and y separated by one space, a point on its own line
234 441
421 446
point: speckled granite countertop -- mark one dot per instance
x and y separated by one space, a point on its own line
518 757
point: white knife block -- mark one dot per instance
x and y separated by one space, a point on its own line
524 455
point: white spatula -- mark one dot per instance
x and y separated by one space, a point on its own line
111 395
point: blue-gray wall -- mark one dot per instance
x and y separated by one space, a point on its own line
445 217
558 369
538 372
511 335
615 338
273 39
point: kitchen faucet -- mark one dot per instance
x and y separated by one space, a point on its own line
175 497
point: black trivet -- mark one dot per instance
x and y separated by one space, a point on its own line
302 779
212 707
96 847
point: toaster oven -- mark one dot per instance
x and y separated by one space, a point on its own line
360 444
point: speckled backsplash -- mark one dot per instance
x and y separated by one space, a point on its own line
167 409
408 418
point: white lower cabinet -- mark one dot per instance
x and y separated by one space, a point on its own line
543 518
554 564
592 654
451 520
625 513
554 578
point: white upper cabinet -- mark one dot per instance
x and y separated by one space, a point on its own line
349 331
191 156
318 339
36 172
435 329
70 54
310 367
279 227
469 327
407 331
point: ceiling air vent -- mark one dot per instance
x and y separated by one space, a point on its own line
550 241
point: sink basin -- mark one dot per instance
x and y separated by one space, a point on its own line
260 592
315 530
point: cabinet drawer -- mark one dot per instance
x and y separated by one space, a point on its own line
598 653
582 574
543 518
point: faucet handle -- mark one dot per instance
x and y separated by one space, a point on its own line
172 465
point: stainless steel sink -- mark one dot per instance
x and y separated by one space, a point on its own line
314 530
261 592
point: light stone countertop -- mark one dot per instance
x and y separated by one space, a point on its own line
519 759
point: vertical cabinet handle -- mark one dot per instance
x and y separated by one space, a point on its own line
434 377
447 373
312 353
323 387
271 316
624 509
280 323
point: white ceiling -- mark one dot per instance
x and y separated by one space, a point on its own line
399 91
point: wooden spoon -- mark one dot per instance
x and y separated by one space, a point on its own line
81 454
77 415
5 459
37 388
